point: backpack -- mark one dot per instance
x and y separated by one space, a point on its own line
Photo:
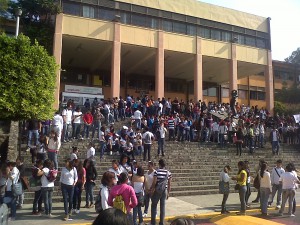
147 138
98 204
51 177
161 186
120 204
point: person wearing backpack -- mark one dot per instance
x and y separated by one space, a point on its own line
47 187
122 196
68 180
160 190
37 174
148 137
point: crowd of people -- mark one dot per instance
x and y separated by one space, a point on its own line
150 120
282 181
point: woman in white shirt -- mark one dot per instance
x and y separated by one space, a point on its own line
224 177
265 188
47 187
53 148
68 180
138 183
107 181
148 182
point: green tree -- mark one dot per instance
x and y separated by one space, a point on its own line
27 79
37 19
294 57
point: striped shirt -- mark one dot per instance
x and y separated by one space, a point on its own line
161 175
171 124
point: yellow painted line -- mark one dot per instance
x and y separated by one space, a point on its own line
242 220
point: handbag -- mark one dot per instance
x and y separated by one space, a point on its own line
141 199
17 189
237 187
223 187
256 183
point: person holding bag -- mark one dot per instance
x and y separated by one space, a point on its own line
138 183
224 187
241 179
265 188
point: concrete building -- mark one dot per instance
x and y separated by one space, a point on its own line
165 48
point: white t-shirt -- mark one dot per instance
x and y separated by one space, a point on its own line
162 131
144 136
73 156
149 180
90 152
58 121
44 180
137 114
116 172
265 181
104 197
288 180
15 174
68 114
77 119
101 136
68 177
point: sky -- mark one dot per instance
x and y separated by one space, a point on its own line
285 21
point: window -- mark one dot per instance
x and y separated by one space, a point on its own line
261 95
125 18
242 94
167 25
88 11
242 87
240 39
204 32
212 91
152 23
225 93
107 14
179 27
191 30
250 41
216 35
72 9
253 95
226 36
138 20
261 43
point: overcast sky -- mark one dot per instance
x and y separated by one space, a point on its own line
285 21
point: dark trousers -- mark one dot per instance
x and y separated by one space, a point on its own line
147 149
77 196
225 197
37 202
171 135
67 192
238 148
147 198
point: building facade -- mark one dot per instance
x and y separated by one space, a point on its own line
170 48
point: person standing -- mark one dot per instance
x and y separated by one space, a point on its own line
53 148
224 177
91 175
161 139
88 121
274 138
37 174
57 124
47 187
34 127
171 128
239 141
67 126
138 183
97 122
81 173
77 119
289 181
137 115
148 137
241 179
21 168
149 176
107 182
68 180
265 188
161 177
276 185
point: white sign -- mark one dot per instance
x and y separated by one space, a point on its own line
297 118
83 90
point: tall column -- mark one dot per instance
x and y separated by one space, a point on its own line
269 84
116 62
57 50
233 70
198 92
160 67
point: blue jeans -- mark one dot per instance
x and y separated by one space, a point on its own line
96 126
147 198
53 157
86 130
47 197
222 140
45 129
89 192
12 204
261 140
138 123
76 131
264 196
137 211
67 192
102 148
275 147
276 188
67 131
161 143
287 194
242 194
36 136
162 199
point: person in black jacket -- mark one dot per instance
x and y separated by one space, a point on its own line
91 175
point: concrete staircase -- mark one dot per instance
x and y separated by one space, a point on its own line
195 167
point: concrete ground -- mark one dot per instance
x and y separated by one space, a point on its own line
202 208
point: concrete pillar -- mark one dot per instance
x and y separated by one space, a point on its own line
198 90
116 62
160 67
57 51
269 84
233 70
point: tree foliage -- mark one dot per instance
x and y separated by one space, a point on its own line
27 79
37 19
288 95
294 57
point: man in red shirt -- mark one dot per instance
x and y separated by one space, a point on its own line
88 121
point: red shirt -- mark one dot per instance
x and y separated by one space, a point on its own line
88 118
